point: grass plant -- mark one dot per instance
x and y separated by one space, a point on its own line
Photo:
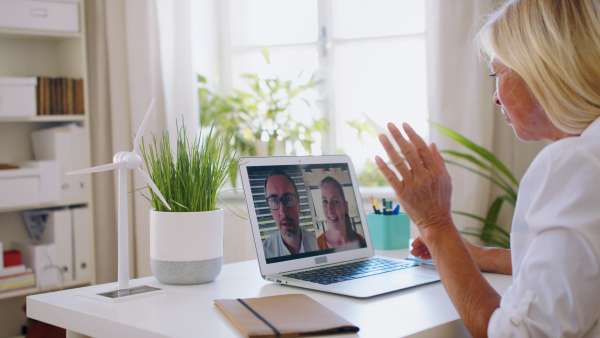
192 177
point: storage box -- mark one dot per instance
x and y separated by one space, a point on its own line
17 95
11 258
49 173
59 231
19 187
42 259
68 146
58 16
33 183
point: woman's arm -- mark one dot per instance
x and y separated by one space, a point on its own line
424 191
488 259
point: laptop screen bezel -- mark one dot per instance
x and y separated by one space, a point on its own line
307 262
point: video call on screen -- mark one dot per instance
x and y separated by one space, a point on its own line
311 217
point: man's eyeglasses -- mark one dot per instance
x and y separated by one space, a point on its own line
289 201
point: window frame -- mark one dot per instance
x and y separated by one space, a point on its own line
325 44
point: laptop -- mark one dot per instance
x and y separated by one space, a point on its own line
298 206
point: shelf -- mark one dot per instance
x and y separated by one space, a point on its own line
43 206
37 34
34 290
43 119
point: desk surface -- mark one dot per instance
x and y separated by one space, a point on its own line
189 311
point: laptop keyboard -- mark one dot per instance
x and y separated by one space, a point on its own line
349 271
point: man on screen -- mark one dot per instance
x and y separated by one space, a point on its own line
284 202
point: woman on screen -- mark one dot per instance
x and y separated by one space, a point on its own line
335 209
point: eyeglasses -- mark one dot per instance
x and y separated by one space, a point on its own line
289 201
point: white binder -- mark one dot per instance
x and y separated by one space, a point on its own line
82 254
58 231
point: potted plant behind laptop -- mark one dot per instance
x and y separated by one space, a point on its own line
186 243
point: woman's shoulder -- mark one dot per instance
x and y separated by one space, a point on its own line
572 154
562 186
322 242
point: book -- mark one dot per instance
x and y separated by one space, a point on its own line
59 96
63 96
18 281
283 315
70 96
38 96
78 96
13 270
46 109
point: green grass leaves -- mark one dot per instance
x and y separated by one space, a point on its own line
192 177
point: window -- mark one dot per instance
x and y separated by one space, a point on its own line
370 53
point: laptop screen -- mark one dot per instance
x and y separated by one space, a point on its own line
305 210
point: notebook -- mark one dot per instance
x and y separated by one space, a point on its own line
283 316
310 228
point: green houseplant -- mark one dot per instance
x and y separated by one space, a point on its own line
484 164
260 114
192 178
186 243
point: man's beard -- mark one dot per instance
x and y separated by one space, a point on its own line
292 232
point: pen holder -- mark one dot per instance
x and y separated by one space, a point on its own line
389 232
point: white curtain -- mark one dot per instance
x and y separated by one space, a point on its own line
125 74
181 100
460 98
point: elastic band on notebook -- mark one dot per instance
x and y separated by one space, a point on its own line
277 334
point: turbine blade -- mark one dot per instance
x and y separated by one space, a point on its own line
153 186
140 133
103 167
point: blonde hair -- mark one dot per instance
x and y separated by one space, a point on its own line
554 45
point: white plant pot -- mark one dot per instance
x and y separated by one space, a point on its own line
186 247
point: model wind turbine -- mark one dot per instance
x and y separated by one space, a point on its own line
124 161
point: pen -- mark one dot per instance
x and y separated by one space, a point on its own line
396 210
422 261
384 207
375 208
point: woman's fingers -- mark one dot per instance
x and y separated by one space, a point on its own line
394 156
422 150
407 149
389 175
422 253
437 156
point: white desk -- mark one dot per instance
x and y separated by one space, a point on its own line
189 311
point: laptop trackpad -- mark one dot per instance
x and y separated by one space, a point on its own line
387 282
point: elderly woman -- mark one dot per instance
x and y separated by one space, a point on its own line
335 209
545 57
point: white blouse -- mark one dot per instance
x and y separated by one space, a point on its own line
555 245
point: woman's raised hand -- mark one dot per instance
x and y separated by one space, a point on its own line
423 187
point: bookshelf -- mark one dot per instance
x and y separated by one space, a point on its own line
39 53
